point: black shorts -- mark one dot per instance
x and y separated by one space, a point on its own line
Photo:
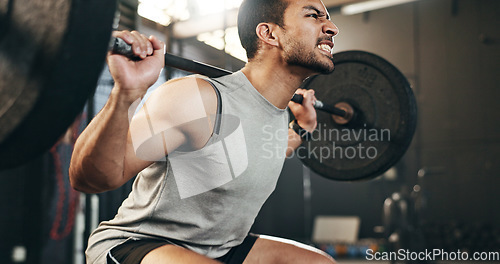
133 251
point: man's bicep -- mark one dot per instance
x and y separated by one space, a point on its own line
146 145
151 150
154 131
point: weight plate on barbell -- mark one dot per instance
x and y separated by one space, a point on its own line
383 126
51 55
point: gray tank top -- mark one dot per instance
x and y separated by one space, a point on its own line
206 200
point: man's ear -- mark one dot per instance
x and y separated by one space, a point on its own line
267 33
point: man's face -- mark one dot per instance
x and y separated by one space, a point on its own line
307 38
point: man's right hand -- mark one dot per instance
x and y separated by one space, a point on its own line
134 76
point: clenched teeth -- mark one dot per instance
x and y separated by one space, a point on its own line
325 47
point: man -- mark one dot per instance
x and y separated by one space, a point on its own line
200 147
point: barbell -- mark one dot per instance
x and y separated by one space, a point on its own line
50 66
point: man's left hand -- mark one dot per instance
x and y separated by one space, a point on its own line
305 113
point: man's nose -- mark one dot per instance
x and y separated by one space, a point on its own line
330 28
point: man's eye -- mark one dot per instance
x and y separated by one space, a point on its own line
313 15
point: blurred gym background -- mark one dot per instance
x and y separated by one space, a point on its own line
443 194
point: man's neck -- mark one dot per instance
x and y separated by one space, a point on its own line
275 82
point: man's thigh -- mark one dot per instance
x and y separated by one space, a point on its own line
276 250
175 254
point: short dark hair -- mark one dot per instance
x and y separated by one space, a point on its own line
254 12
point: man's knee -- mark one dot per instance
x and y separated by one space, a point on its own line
323 258
269 249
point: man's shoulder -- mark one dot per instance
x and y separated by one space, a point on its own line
185 90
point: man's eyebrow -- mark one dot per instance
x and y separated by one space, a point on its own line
320 13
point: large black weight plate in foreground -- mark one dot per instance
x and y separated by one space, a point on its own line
385 121
51 55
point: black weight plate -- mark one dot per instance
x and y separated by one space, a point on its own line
51 55
380 133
